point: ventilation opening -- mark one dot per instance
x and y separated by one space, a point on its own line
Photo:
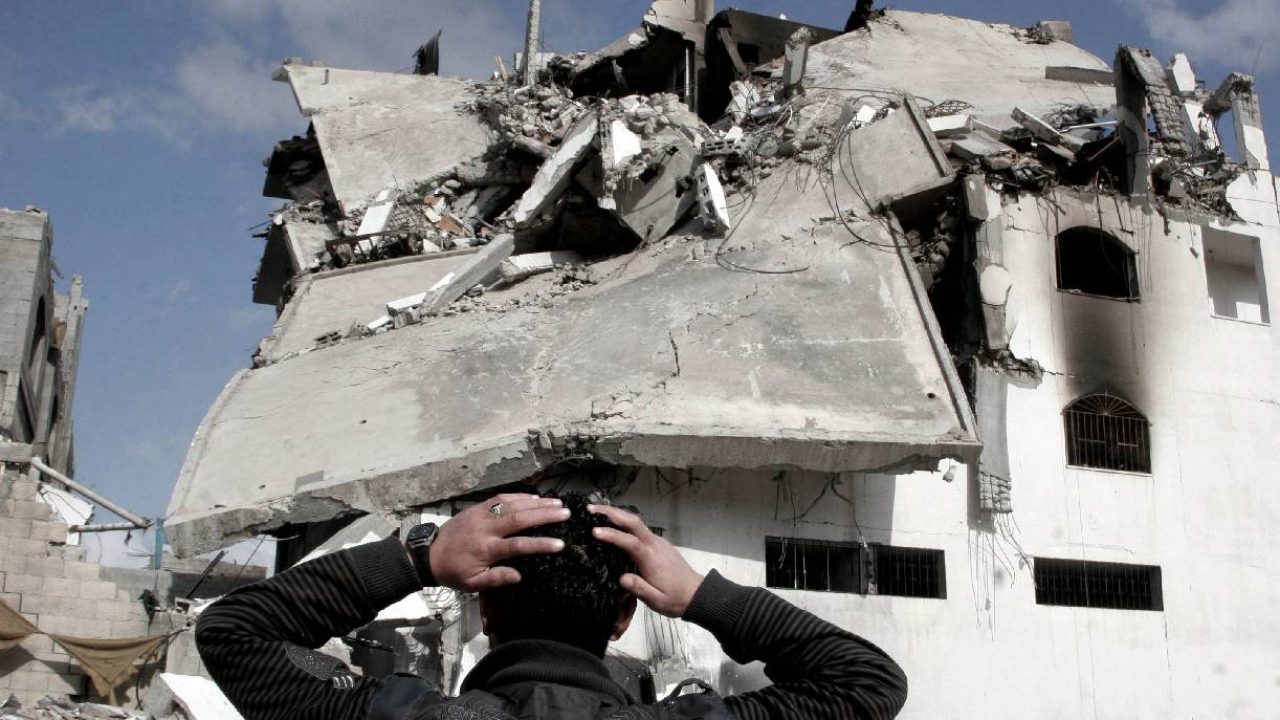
1106 432
1079 583
1237 284
1094 262
798 564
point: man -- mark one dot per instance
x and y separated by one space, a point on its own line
557 579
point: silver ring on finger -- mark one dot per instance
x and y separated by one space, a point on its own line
496 509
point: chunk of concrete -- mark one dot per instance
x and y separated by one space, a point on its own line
381 129
654 202
1182 77
976 146
557 172
519 267
197 697
1046 132
950 125
894 157
712 203
623 144
377 215
477 268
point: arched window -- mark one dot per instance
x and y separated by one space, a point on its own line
1106 432
1094 262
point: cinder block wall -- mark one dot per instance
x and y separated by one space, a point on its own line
50 583
25 240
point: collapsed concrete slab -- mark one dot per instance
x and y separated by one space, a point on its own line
380 129
674 362
962 57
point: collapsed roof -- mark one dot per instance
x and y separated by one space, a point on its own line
479 280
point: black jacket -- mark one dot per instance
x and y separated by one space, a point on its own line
258 645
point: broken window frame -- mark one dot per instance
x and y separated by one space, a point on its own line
1098 585
1216 237
874 569
1108 241
1118 435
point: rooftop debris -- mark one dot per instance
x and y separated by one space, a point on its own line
732 140
60 708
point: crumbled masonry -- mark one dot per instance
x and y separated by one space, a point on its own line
588 255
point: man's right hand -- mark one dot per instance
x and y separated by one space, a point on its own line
665 582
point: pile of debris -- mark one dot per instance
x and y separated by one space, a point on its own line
53 708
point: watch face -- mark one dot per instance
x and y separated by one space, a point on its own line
422 534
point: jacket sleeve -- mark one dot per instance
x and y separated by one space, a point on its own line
258 642
818 670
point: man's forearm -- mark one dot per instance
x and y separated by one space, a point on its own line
818 670
258 641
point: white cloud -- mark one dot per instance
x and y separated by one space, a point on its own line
1237 33
86 109
233 89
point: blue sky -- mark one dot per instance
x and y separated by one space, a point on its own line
141 126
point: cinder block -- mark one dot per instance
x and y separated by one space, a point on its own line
128 628
27 509
24 490
72 552
37 644
91 628
59 624
116 610
48 567
27 546
23 584
97 590
62 587
80 570
49 531
13 600
15 527
42 605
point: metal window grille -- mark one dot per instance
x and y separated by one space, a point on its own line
909 572
1080 583
798 564
1106 432
813 565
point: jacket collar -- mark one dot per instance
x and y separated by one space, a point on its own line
544 661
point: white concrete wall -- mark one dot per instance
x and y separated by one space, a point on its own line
1207 514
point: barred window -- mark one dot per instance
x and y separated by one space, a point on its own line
1106 432
1094 262
801 564
1080 583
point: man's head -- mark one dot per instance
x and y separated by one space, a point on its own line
572 596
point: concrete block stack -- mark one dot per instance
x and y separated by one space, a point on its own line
53 587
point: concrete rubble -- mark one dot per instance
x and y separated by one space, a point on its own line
665 180
725 245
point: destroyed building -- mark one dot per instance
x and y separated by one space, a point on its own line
951 332
71 630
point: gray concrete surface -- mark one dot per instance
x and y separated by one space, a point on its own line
674 361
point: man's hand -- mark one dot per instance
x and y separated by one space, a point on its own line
468 551
666 583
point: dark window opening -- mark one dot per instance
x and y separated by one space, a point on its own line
825 566
1093 262
909 572
1106 432
1080 583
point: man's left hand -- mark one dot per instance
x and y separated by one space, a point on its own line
468 552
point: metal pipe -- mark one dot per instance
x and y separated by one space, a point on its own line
105 527
72 485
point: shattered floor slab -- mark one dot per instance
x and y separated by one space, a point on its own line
379 130
672 361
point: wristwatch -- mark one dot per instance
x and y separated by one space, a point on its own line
418 543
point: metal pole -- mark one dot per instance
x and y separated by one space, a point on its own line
72 485
531 42
105 527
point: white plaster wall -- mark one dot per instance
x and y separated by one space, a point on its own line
1207 514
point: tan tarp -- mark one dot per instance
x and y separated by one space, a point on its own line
108 663
13 627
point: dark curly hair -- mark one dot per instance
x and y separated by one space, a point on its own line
571 596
